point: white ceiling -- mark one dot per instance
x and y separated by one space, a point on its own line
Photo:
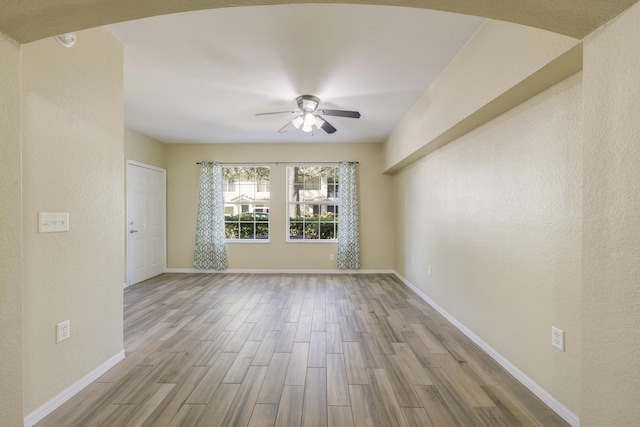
200 77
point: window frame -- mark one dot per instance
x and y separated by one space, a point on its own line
328 202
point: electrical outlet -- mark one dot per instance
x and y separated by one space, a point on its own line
429 270
331 257
413 260
63 331
557 338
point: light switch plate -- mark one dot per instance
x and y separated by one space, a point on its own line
49 222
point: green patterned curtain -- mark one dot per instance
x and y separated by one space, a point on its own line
348 227
211 251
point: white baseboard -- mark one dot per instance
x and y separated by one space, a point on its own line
276 271
543 395
53 404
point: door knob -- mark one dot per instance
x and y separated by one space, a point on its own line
133 231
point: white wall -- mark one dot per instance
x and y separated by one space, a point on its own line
496 214
73 162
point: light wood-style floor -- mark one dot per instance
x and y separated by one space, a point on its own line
296 350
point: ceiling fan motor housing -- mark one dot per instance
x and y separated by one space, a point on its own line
308 103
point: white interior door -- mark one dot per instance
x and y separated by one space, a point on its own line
146 221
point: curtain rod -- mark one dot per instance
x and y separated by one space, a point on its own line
276 163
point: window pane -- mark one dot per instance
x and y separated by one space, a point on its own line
295 230
247 231
327 230
311 230
262 230
231 230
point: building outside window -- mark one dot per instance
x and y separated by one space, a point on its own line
312 203
246 203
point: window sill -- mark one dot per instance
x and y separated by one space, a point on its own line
311 241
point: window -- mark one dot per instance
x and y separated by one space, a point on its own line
312 203
246 203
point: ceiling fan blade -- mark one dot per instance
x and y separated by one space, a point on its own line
276 112
340 113
327 127
287 127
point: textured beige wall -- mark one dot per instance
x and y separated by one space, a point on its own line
611 225
499 56
144 149
73 162
497 216
10 236
375 207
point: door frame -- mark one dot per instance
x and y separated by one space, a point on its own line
163 216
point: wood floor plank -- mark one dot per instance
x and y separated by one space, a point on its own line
187 416
267 348
468 387
339 416
290 408
416 417
239 413
356 373
287 336
217 408
401 383
415 372
371 356
297 369
426 358
317 350
140 415
314 409
274 381
333 338
264 415
348 328
205 390
166 412
318 321
510 407
432 343
239 338
337 383
437 409
461 410
241 363
303 332
363 406
387 407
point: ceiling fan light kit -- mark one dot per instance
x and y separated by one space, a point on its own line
310 117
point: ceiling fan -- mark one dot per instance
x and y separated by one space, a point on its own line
310 117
